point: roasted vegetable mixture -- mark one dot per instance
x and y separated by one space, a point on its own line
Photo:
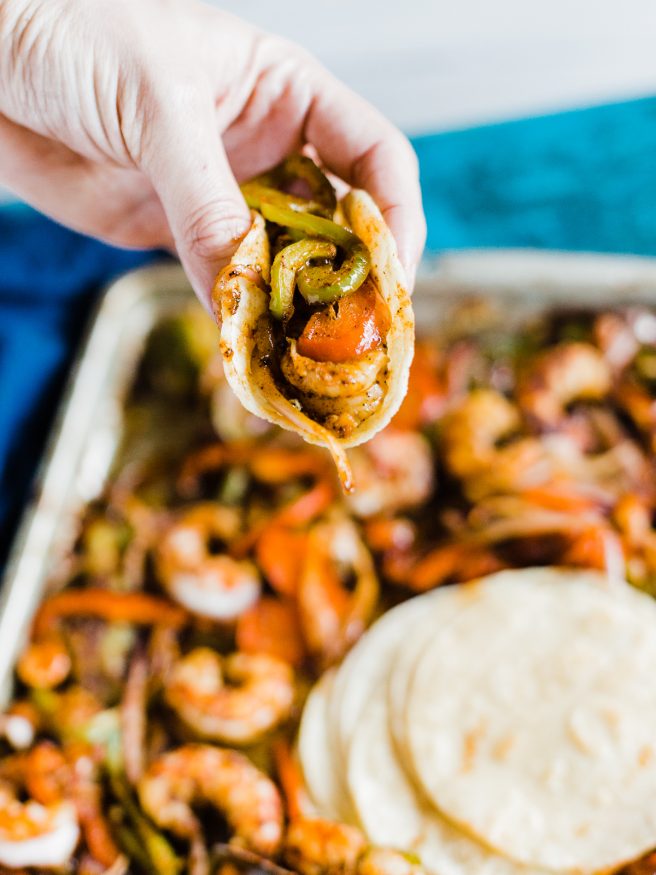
153 723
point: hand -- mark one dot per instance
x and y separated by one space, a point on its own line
131 120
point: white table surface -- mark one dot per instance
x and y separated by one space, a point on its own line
435 64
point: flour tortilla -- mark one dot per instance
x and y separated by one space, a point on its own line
323 782
386 804
531 719
393 813
241 304
366 667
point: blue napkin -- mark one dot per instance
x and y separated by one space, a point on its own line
581 180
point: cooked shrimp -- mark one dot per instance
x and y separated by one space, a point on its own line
314 846
259 696
322 847
470 436
392 472
44 663
225 779
332 616
560 375
331 379
472 430
19 724
342 394
207 583
32 834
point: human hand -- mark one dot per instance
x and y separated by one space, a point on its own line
131 120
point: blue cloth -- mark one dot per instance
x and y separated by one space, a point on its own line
49 280
581 180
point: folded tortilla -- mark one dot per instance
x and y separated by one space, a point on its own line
240 299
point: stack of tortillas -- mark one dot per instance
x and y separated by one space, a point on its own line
501 727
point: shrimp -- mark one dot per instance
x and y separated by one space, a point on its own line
227 780
331 379
341 395
560 375
32 834
314 846
332 616
45 663
393 471
259 698
19 725
322 847
206 583
470 436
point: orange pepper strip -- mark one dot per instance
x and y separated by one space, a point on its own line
129 607
272 626
280 553
591 547
96 830
556 497
278 465
306 507
298 512
457 562
291 780
426 395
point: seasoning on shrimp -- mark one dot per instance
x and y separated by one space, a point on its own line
227 780
235 700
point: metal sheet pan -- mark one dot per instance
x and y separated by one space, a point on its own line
88 428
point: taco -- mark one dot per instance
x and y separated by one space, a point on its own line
317 328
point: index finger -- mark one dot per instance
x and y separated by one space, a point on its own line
360 145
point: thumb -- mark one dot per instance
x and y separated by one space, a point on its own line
204 207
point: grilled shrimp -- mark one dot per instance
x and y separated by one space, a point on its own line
559 376
259 698
19 724
342 395
32 834
322 847
470 435
392 472
44 664
332 615
207 583
227 780
331 379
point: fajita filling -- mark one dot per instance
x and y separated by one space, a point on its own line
325 339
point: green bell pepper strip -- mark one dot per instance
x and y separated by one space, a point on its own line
299 166
255 193
323 284
164 859
285 268
269 186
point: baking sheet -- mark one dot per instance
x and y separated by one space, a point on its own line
88 429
